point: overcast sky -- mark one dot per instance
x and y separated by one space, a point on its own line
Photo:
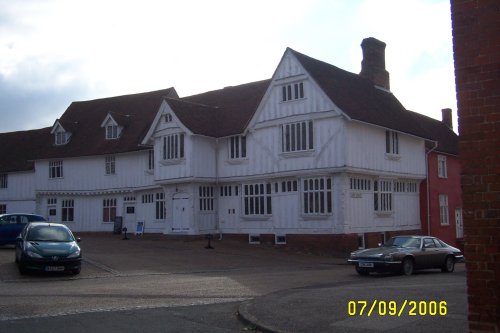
53 52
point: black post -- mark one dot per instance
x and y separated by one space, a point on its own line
209 237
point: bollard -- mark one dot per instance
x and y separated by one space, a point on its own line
125 233
209 246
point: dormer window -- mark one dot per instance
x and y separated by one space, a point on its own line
111 132
61 136
168 118
111 127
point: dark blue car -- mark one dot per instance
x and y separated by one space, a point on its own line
11 226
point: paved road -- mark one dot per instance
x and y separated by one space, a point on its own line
157 285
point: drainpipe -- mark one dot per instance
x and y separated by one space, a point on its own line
428 189
217 222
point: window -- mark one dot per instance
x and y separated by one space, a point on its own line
110 165
292 91
160 206
147 198
443 209
108 210
168 118
317 196
391 142
238 147
297 136
360 184
3 180
112 132
68 210
289 186
151 159
399 186
442 170
227 191
61 138
55 169
411 187
257 199
3 209
206 194
173 146
382 196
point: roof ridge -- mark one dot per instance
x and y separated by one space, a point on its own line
190 102
124 95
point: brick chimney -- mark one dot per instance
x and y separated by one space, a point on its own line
446 113
373 64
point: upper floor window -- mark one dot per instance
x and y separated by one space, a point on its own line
112 132
317 196
173 146
442 170
238 147
292 91
391 142
168 118
297 136
110 165
151 159
55 169
3 180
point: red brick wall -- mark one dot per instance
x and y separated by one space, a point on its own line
476 46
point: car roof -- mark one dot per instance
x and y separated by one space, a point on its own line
47 224
25 214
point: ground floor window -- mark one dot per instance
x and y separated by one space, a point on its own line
443 209
108 210
68 214
257 199
3 209
206 194
317 196
160 205
382 196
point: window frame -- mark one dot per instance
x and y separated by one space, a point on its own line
292 91
237 147
56 169
160 207
112 132
173 147
257 199
67 210
297 137
4 180
110 165
317 196
444 216
108 210
206 198
391 142
383 196
442 166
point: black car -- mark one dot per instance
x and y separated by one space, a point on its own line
407 254
11 225
48 247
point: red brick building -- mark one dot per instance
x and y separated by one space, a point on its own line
441 193
476 44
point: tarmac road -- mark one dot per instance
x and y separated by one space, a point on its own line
154 284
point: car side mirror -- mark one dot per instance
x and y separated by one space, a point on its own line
78 239
19 239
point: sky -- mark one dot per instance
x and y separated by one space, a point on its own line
54 52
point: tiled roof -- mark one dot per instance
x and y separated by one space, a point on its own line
134 112
232 109
18 150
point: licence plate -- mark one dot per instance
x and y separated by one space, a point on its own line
366 264
54 268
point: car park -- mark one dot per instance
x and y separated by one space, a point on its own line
406 254
48 247
11 225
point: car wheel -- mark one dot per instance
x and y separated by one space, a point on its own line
449 265
408 266
362 271
22 269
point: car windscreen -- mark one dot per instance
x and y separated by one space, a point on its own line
35 218
49 234
407 242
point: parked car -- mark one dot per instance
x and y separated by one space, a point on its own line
11 226
407 254
48 247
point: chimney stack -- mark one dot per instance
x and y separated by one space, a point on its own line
373 64
447 120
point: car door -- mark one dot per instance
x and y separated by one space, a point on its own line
10 228
430 253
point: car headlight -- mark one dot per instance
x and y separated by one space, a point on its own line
75 254
33 254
